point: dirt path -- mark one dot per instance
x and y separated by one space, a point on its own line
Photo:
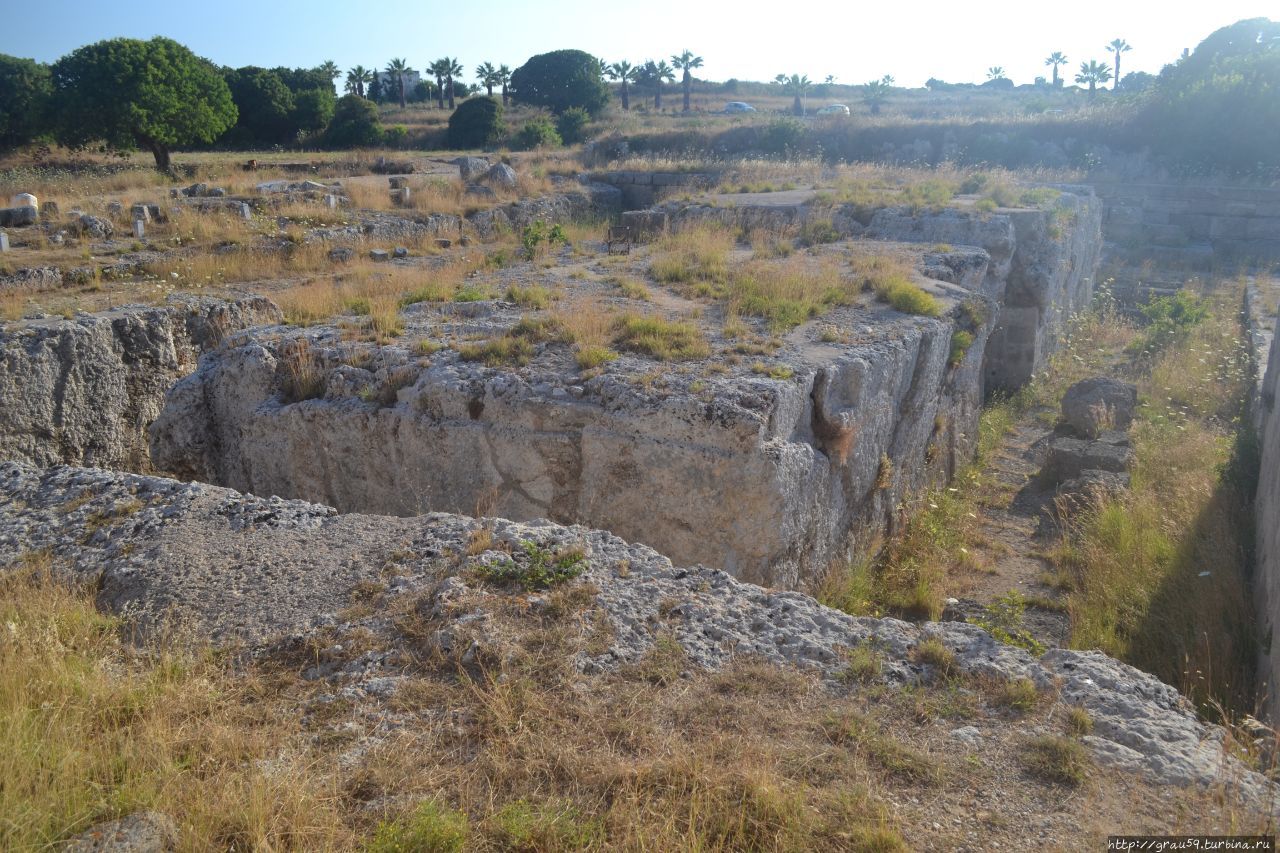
1015 527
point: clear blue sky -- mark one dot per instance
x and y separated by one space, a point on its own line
856 41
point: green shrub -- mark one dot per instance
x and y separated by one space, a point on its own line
430 829
783 136
594 356
1003 620
960 343
541 569
572 125
661 339
1056 758
396 136
538 133
907 297
476 123
355 124
1168 319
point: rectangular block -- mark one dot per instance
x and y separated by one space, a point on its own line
4 242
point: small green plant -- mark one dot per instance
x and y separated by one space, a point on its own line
1168 319
985 205
431 828
907 297
1003 619
662 339
594 356
773 371
815 232
523 825
537 233
471 293
960 343
864 663
933 652
1018 693
630 287
506 350
1079 723
1056 758
533 297
540 569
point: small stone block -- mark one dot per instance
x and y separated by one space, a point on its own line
139 229
4 242
246 211
379 255
401 252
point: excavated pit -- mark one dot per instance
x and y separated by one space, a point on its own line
772 471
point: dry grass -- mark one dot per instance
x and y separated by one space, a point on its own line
695 257
367 286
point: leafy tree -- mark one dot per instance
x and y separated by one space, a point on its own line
355 123
396 69
302 79
264 104
1093 72
313 109
376 89
1117 47
560 80
1056 59
128 93
572 124
475 124
686 62
488 77
876 93
453 70
504 80
357 79
25 88
627 74
440 70
797 86
1218 108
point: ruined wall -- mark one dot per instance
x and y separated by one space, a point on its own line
641 189
1192 225
1267 578
83 391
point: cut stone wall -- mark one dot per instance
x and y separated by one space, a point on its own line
1267 577
83 391
1191 225
770 479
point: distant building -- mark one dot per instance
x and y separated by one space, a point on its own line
411 79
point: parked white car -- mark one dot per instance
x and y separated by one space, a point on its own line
834 110
738 107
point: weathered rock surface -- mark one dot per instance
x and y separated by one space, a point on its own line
471 169
787 472
1095 405
95 226
232 566
84 390
142 832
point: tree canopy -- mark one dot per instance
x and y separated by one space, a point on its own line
25 86
129 93
560 80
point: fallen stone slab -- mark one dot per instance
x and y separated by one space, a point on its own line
17 217
1067 458
1098 404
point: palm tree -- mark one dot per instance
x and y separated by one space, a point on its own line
1055 59
995 72
395 70
357 79
797 85
661 73
453 69
488 76
331 68
876 93
1093 72
831 78
686 62
440 69
1118 46
626 73
503 78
